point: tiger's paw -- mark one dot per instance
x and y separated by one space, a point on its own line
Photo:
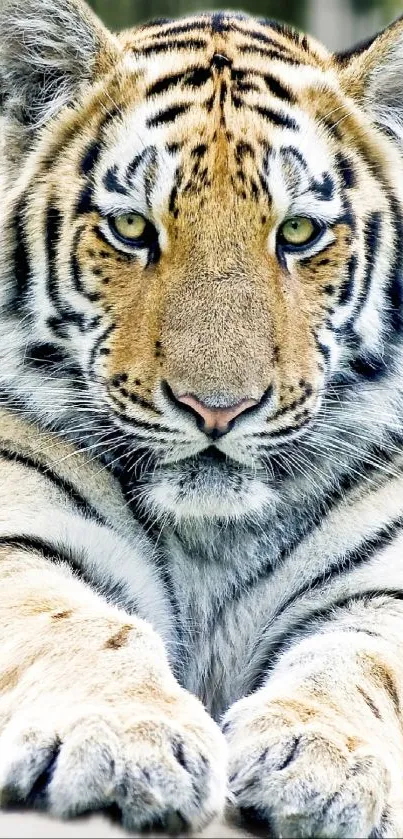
154 769
300 773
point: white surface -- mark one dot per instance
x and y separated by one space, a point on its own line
33 826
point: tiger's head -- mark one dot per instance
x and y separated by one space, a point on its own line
202 241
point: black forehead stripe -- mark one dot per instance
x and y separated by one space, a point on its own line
174 46
247 87
268 39
155 22
180 29
286 30
346 170
85 201
220 23
325 188
296 154
148 156
191 77
272 44
219 62
240 75
254 35
164 84
134 165
90 159
168 115
110 116
111 181
270 54
150 176
197 77
277 118
279 90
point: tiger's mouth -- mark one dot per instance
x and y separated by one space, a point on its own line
207 485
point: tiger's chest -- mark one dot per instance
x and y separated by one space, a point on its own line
221 603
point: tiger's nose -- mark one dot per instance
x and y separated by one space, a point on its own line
215 422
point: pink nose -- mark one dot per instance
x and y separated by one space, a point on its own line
216 421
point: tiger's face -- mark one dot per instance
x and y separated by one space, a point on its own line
209 230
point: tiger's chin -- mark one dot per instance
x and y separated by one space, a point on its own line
206 487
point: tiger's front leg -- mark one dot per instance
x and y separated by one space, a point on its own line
90 713
318 750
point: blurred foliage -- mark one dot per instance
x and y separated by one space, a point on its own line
119 14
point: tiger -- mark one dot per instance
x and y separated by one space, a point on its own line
201 423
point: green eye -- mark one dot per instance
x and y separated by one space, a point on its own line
298 231
130 227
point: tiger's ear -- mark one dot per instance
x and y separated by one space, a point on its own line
373 75
49 50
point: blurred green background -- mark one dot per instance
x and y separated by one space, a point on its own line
338 23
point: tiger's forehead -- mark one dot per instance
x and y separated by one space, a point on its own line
240 39
216 102
235 68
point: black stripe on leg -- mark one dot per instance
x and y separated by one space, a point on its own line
79 501
341 567
33 544
116 591
308 625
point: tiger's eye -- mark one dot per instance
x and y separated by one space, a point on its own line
130 226
298 231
